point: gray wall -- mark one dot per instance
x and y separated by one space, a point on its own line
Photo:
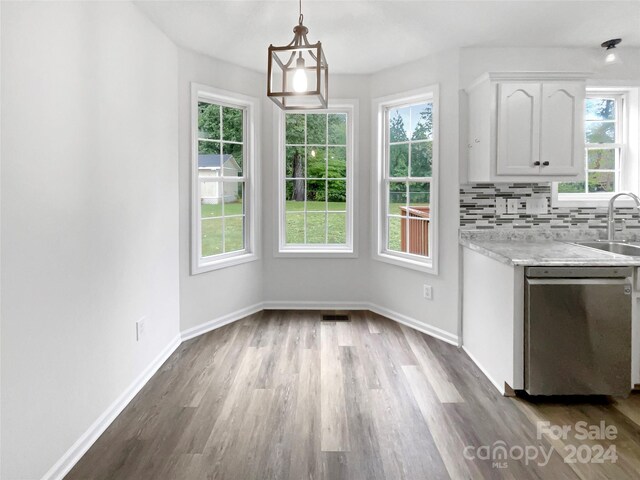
400 289
317 281
211 295
89 217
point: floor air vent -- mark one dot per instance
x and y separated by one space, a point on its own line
335 318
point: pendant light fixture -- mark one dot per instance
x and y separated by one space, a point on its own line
611 55
297 73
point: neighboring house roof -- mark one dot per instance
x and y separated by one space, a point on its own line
215 160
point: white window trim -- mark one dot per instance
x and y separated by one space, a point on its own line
348 250
630 180
201 264
379 236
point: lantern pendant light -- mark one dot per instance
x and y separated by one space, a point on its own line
297 73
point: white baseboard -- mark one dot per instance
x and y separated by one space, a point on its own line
395 316
193 332
413 323
78 449
302 305
484 371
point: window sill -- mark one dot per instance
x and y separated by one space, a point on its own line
590 201
425 266
219 263
306 252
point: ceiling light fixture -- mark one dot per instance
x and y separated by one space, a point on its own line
297 73
611 55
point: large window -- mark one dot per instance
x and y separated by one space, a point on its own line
316 181
608 166
222 179
407 163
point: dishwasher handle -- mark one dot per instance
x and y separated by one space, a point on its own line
579 272
582 281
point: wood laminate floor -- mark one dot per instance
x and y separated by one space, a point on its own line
282 395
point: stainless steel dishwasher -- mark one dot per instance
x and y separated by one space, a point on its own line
578 330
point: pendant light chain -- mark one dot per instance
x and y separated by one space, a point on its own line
301 17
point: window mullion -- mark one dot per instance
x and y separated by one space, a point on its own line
406 221
410 179
306 176
409 145
618 169
586 170
603 146
326 181
221 120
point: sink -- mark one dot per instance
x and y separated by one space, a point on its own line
614 247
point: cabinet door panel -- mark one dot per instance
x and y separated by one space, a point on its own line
479 135
518 129
562 137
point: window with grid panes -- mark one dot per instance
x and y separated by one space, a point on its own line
221 180
604 160
407 178
316 191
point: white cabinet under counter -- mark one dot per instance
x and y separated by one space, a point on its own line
493 322
526 126
494 300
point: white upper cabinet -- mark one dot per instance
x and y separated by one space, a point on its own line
526 127
562 129
518 129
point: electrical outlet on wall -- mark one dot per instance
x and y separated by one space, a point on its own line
427 292
537 205
140 328
501 206
512 206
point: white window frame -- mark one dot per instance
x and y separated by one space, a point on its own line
627 136
350 107
251 107
380 251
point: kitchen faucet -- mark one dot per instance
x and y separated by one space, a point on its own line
611 223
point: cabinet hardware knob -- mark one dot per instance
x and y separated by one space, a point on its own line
536 163
545 164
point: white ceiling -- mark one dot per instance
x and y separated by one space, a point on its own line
368 36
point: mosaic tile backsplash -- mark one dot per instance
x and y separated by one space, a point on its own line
478 210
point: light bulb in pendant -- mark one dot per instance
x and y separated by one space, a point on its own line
611 55
300 76
612 58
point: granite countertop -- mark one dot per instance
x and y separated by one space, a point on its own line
541 250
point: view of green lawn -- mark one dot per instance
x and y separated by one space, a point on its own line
233 238
295 223
316 222
212 228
